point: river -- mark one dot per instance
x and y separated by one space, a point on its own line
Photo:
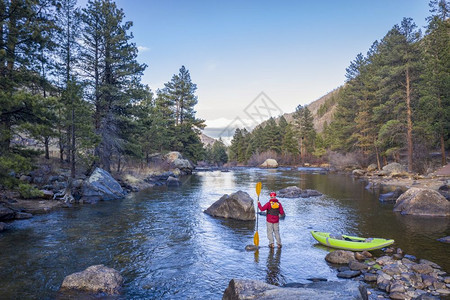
165 247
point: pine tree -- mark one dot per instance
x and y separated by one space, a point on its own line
271 138
434 103
340 131
68 19
239 145
219 152
24 31
282 124
290 141
362 87
111 69
400 57
179 93
303 122
24 35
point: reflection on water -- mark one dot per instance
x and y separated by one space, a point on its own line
166 247
273 267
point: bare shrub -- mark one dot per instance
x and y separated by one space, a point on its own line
422 160
202 164
288 159
314 160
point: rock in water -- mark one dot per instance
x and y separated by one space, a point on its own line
6 213
290 192
176 159
101 186
254 289
422 202
445 239
269 163
95 279
390 197
296 192
251 248
340 257
237 206
172 181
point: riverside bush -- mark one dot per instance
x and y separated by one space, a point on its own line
27 191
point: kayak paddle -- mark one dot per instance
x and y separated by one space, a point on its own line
256 236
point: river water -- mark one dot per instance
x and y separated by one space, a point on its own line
165 247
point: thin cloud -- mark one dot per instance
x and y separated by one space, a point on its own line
143 49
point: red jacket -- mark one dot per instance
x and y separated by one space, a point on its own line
272 218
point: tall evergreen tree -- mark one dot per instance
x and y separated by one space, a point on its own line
67 54
218 153
239 144
179 93
303 122
24 35
434 115
181 90
290 141
111 69
400 57
272 138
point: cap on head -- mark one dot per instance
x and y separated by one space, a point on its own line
273 194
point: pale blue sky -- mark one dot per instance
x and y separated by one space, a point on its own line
293 51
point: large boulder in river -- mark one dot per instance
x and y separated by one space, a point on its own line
372 167
296 192
422 202
445 191
269 163
390 197
253 289
101 186
6 213
445 239
340 257
237 206
95 279
393 168
176 159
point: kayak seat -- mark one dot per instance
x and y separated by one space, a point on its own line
336 236
354 240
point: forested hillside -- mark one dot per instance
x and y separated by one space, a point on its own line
394 106
71 75
322 110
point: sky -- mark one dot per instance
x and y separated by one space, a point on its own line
256 59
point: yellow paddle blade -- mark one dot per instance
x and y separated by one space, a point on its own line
258 188
256 239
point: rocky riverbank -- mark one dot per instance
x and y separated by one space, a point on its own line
394 275
56 189
394 176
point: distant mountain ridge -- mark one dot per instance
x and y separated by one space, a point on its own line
206 140
322 110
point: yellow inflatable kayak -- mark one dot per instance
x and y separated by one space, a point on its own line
352 243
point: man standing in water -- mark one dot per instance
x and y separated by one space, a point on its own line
274 210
